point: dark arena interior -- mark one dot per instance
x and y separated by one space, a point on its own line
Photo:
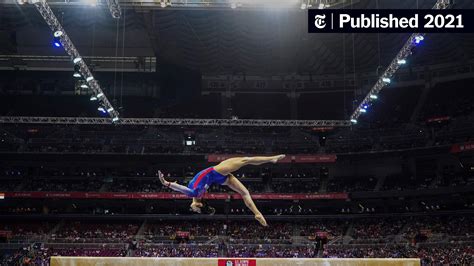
98 96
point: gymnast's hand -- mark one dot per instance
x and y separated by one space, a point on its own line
163 181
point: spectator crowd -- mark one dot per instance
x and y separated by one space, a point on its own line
433 239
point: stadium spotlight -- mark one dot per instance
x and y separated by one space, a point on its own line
93 98
102 110
77 74
92 2
77 60
84 86
58 34
353 121
373 96
419 39
115 119
56 42
100 95
401 61
89 78
110 109
386 80
363 110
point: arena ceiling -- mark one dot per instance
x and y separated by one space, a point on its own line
225 40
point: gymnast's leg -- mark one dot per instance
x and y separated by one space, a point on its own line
233 183
233 164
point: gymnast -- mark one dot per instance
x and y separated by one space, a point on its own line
221 174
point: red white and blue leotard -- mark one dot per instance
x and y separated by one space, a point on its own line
203 180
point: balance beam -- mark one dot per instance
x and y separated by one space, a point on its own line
109 261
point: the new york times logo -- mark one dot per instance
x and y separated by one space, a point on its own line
320 21
394 20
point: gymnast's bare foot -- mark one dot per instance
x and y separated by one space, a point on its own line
261 219
278 157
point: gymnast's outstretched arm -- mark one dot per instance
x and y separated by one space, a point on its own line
174 185
196 205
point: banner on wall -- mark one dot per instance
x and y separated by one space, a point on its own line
168 196
6 233
456 148
438 119
237 262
